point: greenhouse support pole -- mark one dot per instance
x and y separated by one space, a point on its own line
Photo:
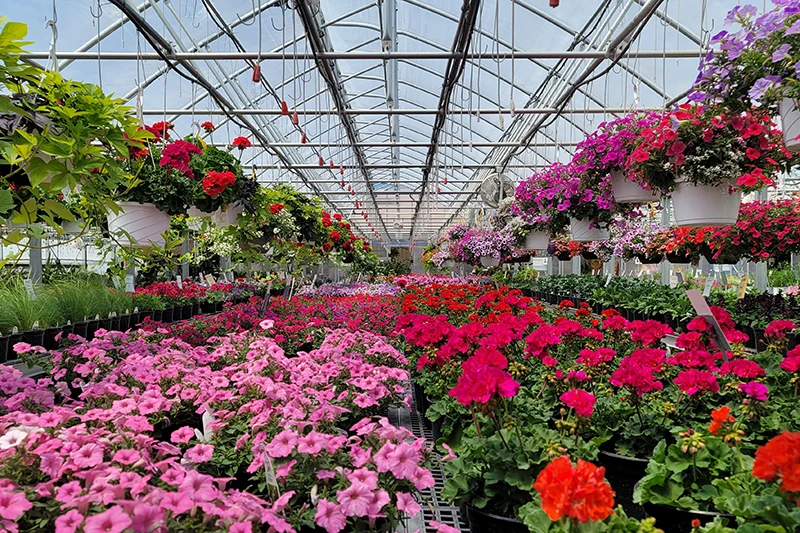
761 278
35 259
666 219
185 249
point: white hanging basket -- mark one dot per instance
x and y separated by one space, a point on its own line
144 222
630 192
194 212
703 205
489 261
229 217
582 231
537 240
790 123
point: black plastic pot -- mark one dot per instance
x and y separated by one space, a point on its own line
106 324
34 337
5 346
622 474
420 400
91 327
49 341
589 256
677 259
563 256
674 520
124 322
81 329
597 308
648 260
12 340
196 309
167 315
758 339
436 428
482 522
186 312
114 324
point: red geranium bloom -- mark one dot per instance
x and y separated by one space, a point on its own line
275 208
208 126
718 418
241 143
579 492
215 183
580 400
780 456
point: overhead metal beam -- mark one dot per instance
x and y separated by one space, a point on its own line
383 166
402 144
319 42
405 111
373 56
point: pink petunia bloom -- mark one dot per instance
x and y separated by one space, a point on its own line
13 504
379 499
283 444
241 527
182 435
126 457
173 476
330 516
68 492
69 522
113 520
146 518
407 504
355 499
422 478
312 443
200 453
326 474
443 528
284 470
177 502
88 455
199 487
403 460
364 476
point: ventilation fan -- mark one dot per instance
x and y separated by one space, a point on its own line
495 187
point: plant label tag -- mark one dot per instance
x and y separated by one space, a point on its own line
266 299
35 325
272 481
679 276
608 279
704 311
742 287
673 281
117 283
210 280
130 286
28 283
180 282
641 272
707 286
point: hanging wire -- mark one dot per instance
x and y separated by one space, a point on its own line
52 24
513 52
99 62
496 57
294 59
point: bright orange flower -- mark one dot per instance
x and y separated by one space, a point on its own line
718 418
781 455
579 492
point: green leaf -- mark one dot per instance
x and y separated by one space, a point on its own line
37 171
6 201
59 209
13 31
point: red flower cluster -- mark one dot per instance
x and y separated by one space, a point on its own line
637 371
215 183
780 457
177 155
720 417
241 143
160 129
276 208
695 381
482 377
208 127
778 329
648 332
580 492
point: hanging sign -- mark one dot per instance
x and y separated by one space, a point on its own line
707 287
742 287
210 280
180 282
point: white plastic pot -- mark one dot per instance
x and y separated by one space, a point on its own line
143 222
697 206
537 240
582 231
790 123
489 261
74 228
630 192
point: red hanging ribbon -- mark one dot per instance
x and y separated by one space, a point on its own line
284 108
257 74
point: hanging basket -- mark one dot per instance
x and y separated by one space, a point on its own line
697 206
489 261
630 192
228 217
143 222
790 123
589 256
537 240
582 232
564 256
649 260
